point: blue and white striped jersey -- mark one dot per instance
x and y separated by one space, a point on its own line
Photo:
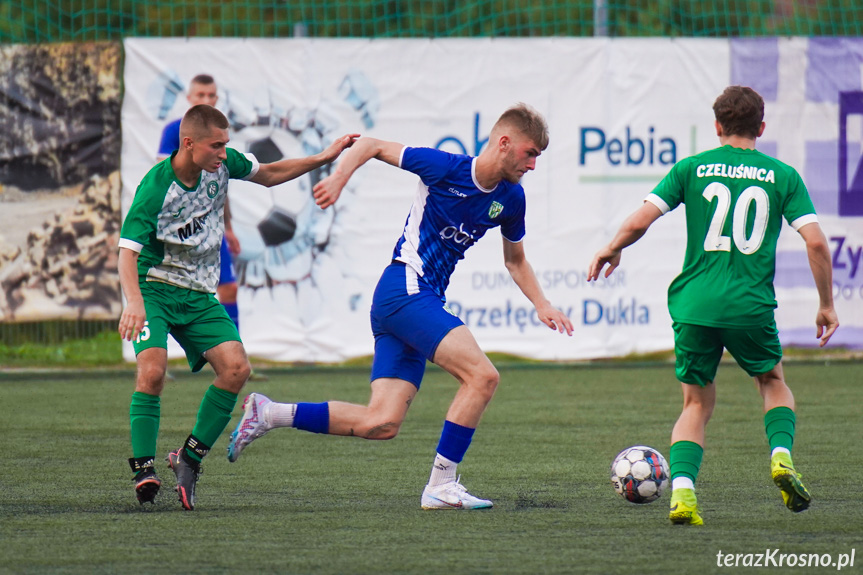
450 212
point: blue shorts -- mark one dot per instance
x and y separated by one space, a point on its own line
226 274
409 320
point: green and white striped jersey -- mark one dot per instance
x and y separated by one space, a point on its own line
178 230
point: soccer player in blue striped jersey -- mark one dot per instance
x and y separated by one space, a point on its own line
458 199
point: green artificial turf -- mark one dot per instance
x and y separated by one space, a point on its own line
302 503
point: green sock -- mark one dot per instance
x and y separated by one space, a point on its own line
144 413
779 425
685 459
213 416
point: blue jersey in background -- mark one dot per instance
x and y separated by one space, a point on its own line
170 138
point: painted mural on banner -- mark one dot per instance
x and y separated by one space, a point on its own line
59 181
620 112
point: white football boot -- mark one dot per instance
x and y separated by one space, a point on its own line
452 495
252 425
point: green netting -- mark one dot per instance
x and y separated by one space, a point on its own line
65 20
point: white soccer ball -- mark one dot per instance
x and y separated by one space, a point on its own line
639 474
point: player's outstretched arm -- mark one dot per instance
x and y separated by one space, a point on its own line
133 317
524 277
286 170
820 263
328 190
630 231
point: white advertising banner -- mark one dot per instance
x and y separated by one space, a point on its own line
620 112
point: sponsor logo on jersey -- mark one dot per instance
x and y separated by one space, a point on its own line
457 193
191 228
212 189
495 209
458 235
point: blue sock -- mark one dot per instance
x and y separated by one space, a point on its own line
233 313
314 417
454 441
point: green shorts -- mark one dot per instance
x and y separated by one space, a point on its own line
698 349
196 320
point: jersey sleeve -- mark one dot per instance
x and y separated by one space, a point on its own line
668 194
241 166
512 228
429 164
139 226
798 209
170 139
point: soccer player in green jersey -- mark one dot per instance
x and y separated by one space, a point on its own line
169 270
735 200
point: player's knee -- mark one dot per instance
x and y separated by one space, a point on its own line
485 382
702 405
244 370
770 379
150 379
703 412
237 372
381 429
697 403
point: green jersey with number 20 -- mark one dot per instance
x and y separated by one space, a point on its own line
735 200
178 230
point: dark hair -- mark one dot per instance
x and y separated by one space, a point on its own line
740 111
203 79
527 121
202 117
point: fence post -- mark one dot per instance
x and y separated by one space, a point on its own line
600 18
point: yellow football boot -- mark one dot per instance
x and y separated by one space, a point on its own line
794 493
684 508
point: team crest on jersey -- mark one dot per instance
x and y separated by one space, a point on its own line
212 189
494 210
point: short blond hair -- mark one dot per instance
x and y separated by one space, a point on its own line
526 120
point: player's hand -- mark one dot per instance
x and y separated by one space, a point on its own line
132 320
827 322
604 256
328 190
233 242
339 146
554 318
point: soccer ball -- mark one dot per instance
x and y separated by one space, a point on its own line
639 474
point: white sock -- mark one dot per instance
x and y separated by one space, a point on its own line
779 450
682 482
280 414
443 471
